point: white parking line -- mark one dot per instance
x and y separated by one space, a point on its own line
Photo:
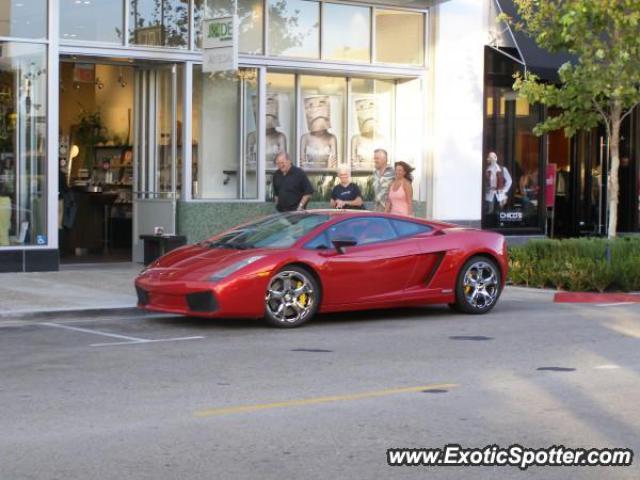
176 339
95 332
129 340
614 304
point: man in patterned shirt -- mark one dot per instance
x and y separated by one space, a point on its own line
383 175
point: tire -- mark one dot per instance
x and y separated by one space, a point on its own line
478 286
292 298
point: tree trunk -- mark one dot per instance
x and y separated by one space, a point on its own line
612 182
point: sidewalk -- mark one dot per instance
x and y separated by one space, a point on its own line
74 289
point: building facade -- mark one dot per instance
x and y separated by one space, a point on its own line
109 128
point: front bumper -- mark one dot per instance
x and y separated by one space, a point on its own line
239 299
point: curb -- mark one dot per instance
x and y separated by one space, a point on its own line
594 297
69 313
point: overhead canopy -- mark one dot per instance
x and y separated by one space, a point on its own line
538 60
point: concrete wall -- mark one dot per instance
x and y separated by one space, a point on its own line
460 36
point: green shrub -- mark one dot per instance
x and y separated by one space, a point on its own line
577 264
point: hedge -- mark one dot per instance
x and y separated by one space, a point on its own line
577 264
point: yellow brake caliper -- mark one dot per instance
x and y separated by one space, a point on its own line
303 297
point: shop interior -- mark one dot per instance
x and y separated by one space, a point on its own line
95 161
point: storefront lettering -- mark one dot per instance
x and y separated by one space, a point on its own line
221 31
511 216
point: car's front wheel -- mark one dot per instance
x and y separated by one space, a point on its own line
478 286
292 297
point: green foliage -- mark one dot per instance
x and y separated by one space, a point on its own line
579 264
603 36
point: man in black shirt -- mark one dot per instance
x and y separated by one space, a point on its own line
346 194
291 188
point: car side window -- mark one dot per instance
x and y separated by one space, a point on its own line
406 229
364 230
320 242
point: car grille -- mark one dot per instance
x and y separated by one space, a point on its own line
143 296
201 302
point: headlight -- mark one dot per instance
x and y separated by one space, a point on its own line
234 267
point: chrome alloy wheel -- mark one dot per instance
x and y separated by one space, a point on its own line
481 285
290 297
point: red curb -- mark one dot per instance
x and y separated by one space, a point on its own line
589 297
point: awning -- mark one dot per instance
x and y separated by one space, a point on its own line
539 61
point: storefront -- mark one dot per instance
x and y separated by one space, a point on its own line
552 184
100 98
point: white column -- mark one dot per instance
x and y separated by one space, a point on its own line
461 33
53 109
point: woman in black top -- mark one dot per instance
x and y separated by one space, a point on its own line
346 194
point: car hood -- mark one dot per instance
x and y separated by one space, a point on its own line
195 261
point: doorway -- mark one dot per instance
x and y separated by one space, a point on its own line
95 160
119 148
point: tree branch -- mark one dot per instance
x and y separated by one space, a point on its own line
604 116
626 114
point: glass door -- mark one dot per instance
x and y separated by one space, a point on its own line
155 152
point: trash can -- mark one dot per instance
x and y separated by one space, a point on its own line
157 245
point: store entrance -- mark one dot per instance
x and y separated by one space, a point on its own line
96 138
117 161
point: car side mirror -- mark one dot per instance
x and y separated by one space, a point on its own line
341 242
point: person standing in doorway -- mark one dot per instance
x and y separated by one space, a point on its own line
292 189
383 175
400 199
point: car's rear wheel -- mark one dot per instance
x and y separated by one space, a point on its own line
292 297
478 286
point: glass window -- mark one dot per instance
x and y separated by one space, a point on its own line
364 230
250 21
511 180
163 23
409 129
319 243
23 145
294 28
250 25
250 126
406 229
276 231
371 117
399 37
23 18
346 33
280 119
221 168
97 20
321 116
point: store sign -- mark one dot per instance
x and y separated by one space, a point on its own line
220 45
511 216
84 73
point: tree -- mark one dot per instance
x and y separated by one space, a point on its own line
601 85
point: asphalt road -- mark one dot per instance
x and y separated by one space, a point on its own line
172 398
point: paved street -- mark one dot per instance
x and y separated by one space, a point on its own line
160 397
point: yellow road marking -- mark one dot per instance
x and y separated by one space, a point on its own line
313 401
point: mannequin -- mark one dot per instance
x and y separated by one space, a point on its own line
497 184
368 140
276 141
319 147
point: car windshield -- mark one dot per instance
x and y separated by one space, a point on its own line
275 231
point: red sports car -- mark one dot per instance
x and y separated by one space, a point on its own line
287 267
